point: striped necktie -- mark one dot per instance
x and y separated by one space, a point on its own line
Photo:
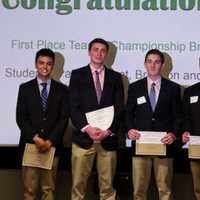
44 96
98 87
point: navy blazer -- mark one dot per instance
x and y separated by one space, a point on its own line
83 99
191 108
31 118
167 114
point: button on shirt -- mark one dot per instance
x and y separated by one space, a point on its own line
157 86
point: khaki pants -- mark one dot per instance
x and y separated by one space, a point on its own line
195 169
82 163
163 171
33 178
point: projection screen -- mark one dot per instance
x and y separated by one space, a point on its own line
131 26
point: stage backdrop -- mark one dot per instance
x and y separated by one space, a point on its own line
131 26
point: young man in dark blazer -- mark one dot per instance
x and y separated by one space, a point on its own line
191 126
90 142
161 114
42 116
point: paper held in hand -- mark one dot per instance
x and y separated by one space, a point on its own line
150 144
101 118
33 158
194 147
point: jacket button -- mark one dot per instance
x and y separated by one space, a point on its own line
153 119
44 119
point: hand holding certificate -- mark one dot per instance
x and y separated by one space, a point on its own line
100 120
194 147
34 158
150 143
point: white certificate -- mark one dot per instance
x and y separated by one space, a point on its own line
33 158
194 140
150 143
194 147
150 137
101 118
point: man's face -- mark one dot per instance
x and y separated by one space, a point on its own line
153 65
44 66
97 54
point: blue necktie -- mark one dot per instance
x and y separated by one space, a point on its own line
44 96
98 87
152 96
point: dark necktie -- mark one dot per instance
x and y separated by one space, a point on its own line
152 96
44 96
98 87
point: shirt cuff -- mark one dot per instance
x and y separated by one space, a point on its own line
83 129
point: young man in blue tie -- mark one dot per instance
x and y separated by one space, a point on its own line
42 116
153 105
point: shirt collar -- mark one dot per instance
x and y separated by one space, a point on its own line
93 69
157 82
41 81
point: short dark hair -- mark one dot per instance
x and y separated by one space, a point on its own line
98 40
45 52
157 52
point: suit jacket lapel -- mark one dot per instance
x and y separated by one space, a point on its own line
161 93
147 94
89 79
36 94
106 85
51 95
